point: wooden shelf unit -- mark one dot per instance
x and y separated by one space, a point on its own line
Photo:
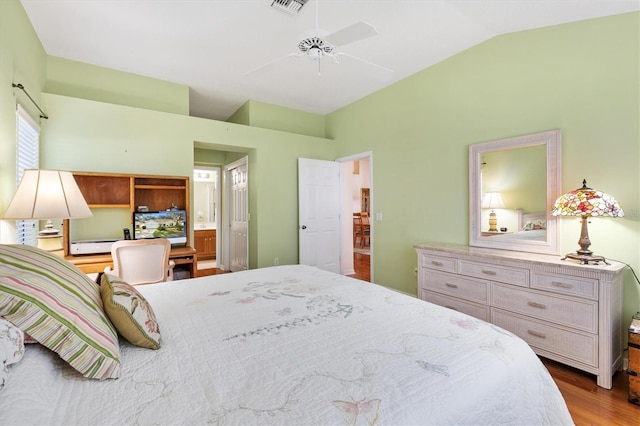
128 191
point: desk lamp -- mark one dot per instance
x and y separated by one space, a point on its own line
492 200
586 202
47 194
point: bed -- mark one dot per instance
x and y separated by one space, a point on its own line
531 227
286 345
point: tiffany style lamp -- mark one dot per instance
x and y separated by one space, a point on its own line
586 202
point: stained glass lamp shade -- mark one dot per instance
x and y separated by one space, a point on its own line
586 202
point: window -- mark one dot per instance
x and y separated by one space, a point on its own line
27 157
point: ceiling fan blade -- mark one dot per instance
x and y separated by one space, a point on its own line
380 67
268 65
358 31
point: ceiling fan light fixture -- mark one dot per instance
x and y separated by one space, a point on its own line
315 46
292 7
314 53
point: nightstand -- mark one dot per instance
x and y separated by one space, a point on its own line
489 233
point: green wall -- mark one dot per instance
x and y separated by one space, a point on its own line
22 60
260 114
582 78
519 175
80 80
88 135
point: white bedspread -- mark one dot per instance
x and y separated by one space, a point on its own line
296 345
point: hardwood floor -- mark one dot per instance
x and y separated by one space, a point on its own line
590 404
362 266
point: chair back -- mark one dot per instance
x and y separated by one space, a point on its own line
142 261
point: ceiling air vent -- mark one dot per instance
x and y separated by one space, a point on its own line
291 7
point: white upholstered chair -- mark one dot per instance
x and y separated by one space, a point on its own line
142 261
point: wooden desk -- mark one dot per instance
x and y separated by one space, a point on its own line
184 257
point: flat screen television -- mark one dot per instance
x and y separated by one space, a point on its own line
170 224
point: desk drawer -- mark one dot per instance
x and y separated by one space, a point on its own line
580 314
503 274
477 311
581 347
93 268
455 285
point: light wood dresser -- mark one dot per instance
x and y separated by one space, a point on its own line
567 312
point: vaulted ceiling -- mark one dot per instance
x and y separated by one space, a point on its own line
219 48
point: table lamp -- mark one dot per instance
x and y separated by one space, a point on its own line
586 202
492 200
47 194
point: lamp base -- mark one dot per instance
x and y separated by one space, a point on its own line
493 222
585 258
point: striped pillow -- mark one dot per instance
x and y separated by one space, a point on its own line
59 306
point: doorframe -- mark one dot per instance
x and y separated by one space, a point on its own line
343 233
226 227
218 200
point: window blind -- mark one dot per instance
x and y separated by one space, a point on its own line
27 157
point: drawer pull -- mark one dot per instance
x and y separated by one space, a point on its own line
436 263
450 307
488 272
537 334
451 285
537 305
561 285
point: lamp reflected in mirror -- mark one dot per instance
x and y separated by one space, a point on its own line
492 200
586 202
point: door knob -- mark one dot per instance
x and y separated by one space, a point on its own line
304 226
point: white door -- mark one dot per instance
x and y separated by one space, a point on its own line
238 211
319 213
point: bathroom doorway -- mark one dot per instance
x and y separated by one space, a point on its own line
206 208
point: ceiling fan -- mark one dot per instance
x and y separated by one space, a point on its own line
318 45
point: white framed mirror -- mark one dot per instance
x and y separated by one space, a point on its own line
522 176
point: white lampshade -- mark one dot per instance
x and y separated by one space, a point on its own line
47 194
492 200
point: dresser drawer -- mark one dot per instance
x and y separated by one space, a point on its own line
502 274
580 314
578 346
455 285
477 311
573 286
437 262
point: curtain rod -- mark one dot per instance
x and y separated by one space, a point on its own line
21 87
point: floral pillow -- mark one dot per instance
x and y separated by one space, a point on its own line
535 224
129 312
11 348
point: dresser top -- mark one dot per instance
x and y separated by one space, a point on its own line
542 259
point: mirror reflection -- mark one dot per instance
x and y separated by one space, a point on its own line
513 183
205 199
517 177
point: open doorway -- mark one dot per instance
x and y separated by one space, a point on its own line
206 208
357 226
